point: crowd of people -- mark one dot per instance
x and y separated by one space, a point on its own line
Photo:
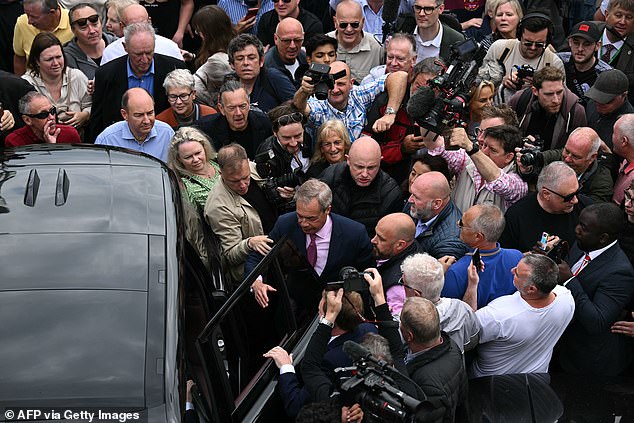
501 245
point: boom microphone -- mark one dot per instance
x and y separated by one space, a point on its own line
355 351
421 102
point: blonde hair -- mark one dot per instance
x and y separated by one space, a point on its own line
183 135
330 126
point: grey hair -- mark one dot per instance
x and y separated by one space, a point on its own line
378 346
182 136
553 174
231 156
241 42
229 87
136 28
424 273
596 141
427 65
24 104
544 272
407 37
46 4
179 78
626 126
215 71
314 188
489 221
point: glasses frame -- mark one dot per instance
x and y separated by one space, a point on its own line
173 98
295 117
83 22
354 25
44 114
537 44
566 198
427 10
283 1
406 286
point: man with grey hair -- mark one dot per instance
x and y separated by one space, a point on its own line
181 92
140 67
327 240
623 142
519 331
480 228
553 209
580 153
39 16
401 56
135 13
423 276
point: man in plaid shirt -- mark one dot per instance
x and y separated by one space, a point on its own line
485 169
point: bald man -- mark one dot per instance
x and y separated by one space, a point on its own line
287 55
580 153
393 242
357 48
139 131
349 103
136 13
436 216
361 190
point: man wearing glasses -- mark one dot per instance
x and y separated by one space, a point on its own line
553 209
548 109
287 55
41 127
531 48
357 48
433 38
287 9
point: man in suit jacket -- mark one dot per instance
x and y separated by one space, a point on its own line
311 229
141 67
601 280
429 28
616 44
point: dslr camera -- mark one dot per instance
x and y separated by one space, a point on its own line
322 79
351 280
269 167
532 156
523 72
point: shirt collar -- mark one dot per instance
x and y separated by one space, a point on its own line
435 42
605 41
128 135
131 74
596 253
326 229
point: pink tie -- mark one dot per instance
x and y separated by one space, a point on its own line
584 263
311 252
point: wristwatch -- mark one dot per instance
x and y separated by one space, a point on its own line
475 147
327 322
389 111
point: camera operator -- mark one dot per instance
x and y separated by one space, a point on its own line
284 157
530 51
485 174
349 103
548 109
580 153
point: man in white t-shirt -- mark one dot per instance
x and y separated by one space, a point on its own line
518 332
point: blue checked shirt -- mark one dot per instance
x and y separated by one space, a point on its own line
236 9
359 100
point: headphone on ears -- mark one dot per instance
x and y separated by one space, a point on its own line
536 15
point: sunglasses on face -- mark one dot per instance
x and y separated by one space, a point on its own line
44 114
344 25
296 117
566 198
83 22
537 44
283 1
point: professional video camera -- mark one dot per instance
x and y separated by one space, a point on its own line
523 72
532 156
270 167
322 79
443 104
351 280
375 391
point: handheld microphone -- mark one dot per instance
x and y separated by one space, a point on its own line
421 102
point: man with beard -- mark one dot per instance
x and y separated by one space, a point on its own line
392 243
581 63
436 216
548 109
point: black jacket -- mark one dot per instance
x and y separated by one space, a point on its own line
390 270
111 81
269 20
366 205
441 375
12 88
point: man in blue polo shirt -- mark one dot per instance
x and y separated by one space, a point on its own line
139 131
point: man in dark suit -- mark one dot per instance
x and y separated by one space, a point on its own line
601 280
311 229
141 67
428 26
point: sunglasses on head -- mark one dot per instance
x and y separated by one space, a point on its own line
566 198
537 44
82 22
344 25
44 114
295 117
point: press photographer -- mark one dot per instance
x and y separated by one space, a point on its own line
581 153
345 101
548 109
283 158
